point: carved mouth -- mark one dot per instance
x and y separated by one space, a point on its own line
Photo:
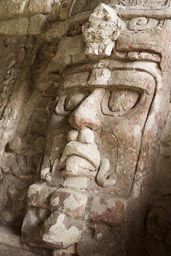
89 152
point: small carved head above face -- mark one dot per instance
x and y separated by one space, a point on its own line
102 30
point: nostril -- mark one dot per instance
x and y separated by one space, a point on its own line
72 135
86 120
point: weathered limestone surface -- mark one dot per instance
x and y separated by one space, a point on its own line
85 127
10 244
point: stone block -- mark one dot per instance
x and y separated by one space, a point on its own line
56 31
14 26
11 8
10 244
107 210
68 47
37 23
32 224
39 6
38 195
62 231
70 202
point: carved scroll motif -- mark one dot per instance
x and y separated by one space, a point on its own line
144 23
146 3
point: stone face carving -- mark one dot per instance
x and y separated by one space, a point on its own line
102 30
102 140
107 100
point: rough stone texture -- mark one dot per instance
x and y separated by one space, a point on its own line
158 227
102 30
10 244
11 8
40 6
14 26
24 119
85 127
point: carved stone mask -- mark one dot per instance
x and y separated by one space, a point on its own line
107 106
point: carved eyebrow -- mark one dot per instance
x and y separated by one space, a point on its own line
118 78
132 78
76 80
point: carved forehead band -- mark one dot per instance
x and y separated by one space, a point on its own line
89 70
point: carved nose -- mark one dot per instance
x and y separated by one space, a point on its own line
88 112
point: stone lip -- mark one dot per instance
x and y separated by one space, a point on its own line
82 150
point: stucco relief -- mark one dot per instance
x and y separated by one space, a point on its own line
104 134
79 6
102 30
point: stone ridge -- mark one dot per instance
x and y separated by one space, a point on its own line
31 17
21 17
12 9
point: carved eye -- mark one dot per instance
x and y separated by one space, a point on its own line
75 99
121 101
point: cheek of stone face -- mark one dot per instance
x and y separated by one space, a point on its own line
118 141
108 147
